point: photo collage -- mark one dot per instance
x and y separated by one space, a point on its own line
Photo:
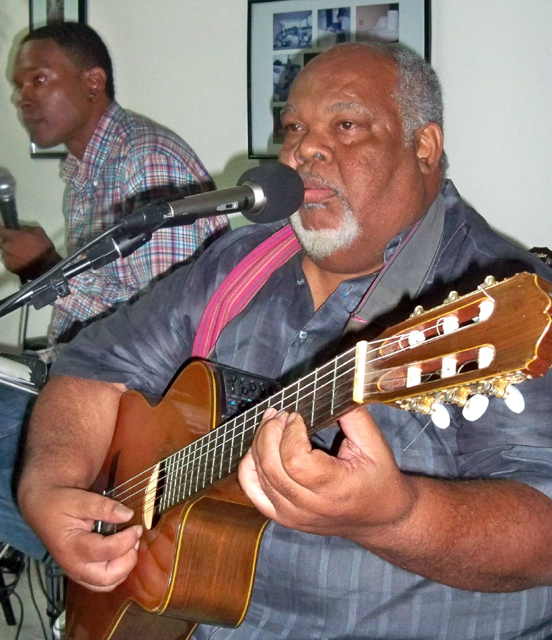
299 36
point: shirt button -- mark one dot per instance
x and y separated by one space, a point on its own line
303 335
300 281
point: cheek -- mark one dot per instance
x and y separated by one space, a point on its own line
287 156
67 111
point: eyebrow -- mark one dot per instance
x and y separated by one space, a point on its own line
336 107
287 109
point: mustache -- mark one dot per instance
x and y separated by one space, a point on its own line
307 175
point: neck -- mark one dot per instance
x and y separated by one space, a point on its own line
77 144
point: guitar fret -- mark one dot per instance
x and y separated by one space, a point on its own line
169 484
334 382
186 464
195 475
313 401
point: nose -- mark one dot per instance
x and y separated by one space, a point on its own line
23 96
313 146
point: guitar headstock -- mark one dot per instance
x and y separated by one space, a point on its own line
480 343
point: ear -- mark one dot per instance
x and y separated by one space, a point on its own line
96 80
429 147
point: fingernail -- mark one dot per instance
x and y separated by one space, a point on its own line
291 417
123 512
270 413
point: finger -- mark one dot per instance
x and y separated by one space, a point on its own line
95 547
304 469
8 234
363 436
106 575
279 467
92 506
249 482
249 471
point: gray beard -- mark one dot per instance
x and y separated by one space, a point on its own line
321 243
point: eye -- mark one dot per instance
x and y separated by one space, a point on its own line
292 127
40 78
346 125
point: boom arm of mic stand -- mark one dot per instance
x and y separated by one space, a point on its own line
121 245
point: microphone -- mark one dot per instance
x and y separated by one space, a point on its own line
8 210
264 194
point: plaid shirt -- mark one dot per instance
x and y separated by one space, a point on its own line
129 161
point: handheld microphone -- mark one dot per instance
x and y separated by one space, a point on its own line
8 210
264 194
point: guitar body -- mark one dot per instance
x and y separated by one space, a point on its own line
196 563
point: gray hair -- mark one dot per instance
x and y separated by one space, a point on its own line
419 94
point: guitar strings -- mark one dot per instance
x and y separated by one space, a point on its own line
221 434
219 437
227 431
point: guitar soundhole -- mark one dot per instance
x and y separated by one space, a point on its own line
153 495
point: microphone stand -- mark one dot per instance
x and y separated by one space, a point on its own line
54 283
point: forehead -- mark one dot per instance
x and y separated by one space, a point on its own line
43 54
346 77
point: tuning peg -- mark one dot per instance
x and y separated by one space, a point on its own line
440 415
417 311
514 399
489 282
475 407
452 297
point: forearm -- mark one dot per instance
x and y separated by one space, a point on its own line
69 435
70 432
481 535
478 535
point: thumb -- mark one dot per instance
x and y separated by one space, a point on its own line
362 433
104 509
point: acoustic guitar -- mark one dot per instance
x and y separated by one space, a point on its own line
174 463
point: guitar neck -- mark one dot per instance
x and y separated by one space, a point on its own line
321 397
470 345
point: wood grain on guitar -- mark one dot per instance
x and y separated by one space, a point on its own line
197 556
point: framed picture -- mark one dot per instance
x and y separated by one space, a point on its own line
41 13
283 35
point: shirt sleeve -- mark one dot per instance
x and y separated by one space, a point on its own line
504 444
145 178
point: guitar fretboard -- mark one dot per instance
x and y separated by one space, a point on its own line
320 397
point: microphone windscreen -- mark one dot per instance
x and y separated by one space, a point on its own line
283 189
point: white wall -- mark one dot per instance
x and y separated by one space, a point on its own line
183 63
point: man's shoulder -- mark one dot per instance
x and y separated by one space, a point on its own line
471 243
136 134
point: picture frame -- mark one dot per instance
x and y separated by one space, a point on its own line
283 35
41 13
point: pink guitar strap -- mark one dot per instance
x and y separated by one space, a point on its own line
241 285
403 276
